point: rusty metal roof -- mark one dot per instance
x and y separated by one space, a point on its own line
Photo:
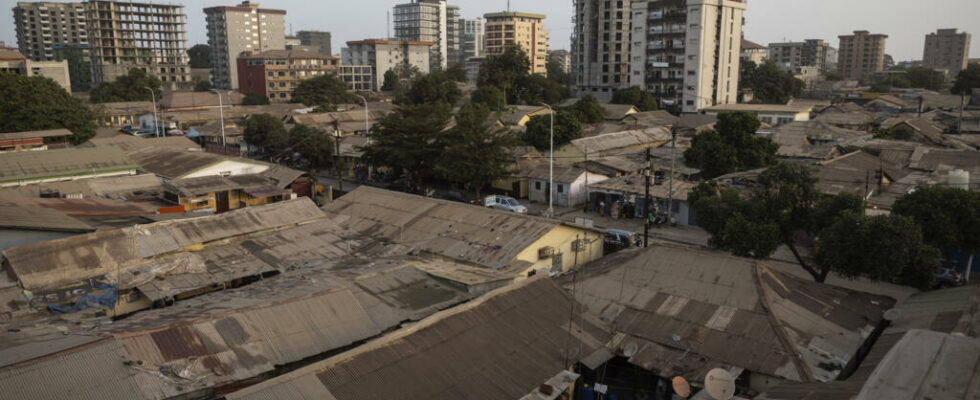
695 308
173 163
209 184
634 184
461 232
500 346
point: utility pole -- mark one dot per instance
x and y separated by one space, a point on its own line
670 190
646 202
959 124
336 142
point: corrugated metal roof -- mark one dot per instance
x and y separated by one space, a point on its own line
216 183
457 353
131 143
926 365
93 372
27 166
730 311
175 163
465 233
35 134
42 219
634 184
610 142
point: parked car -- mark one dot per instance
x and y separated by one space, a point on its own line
617 239
948 277
504 203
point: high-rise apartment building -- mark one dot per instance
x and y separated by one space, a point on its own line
42 26
687 52
317 39
947 50
471 38
562 57
601 46
512 28
385 55
233 30
794 56
861 54
430 21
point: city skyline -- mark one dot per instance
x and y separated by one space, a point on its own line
767 21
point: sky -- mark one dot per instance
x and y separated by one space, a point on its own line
906 22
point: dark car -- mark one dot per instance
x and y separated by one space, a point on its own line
948 277
617 239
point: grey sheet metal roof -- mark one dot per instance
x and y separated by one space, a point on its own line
26 166
634 184
466 233
610 142
131 143
35 134
730 311
51 264
456 353
927 365
850 173
38 218
172 163
209 184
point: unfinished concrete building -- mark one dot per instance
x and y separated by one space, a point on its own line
148 36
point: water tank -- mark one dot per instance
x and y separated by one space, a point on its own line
959 179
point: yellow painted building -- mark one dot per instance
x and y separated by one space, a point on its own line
510 28
224 193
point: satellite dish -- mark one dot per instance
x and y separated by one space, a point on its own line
892 314
630 349
719 384
681 387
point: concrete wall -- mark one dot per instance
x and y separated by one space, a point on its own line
560 238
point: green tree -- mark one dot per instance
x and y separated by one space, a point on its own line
491 97
473 151
558 75
266 131
771 85
254 99
882 248
315 145
202 85
949 217
732 146
927 78
39 103
432 88
967 80
200 55
536 89
325 90
391 81
635 96
833 76
504 71
130 87
407 139
538 130
457 73
589 110
881 87
735 224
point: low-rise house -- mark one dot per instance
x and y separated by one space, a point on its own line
692 124
924 131
211 134
520 115
630 191
813 140
179 164
513 244
32 140
683 311
859 173
856 120
570 185
530 320
218 194
635 141
27 167
120 114
772 114
617 112
888 103
842 108
347 122
526 159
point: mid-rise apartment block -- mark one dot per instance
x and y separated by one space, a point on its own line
276 73
562 57
432 21
316 39
385 55
687 52
237 29
794 56
42 26
861 54
12 61
601 46
947 50
471 38
526 30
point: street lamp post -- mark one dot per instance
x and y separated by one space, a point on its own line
153 98
221 112
340 177
551 164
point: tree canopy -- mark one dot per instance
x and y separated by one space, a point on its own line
200 55
391 81
266 131
927 78
558 75
538 130
536 89
406 139
130 87
254 99
457 72
771 85
473 152
949 217
635 96
731 147
202 85
435 87
588 110
322 91
504 71
315 145
38 103
967 80
491 97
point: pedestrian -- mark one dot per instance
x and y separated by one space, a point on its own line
615 211
602 208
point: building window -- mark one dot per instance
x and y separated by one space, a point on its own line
561 188
537 185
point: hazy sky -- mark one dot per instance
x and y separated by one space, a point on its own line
905 21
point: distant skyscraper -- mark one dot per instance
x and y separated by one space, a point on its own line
601 46
947 50
562 57
233 30
42 26
385 55
430 21
317 39
471 38
510 28
861 54
688 51
792 56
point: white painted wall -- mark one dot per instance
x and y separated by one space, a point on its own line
228 167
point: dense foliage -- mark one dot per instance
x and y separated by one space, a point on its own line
315 145
588 110
731 147
770 84
538 130
635 96
134 86
266 132
322 91
432 88
949 217
967 80
473 152
200 55
254 99
491 97
38 103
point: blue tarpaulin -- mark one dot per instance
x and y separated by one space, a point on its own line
106 298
